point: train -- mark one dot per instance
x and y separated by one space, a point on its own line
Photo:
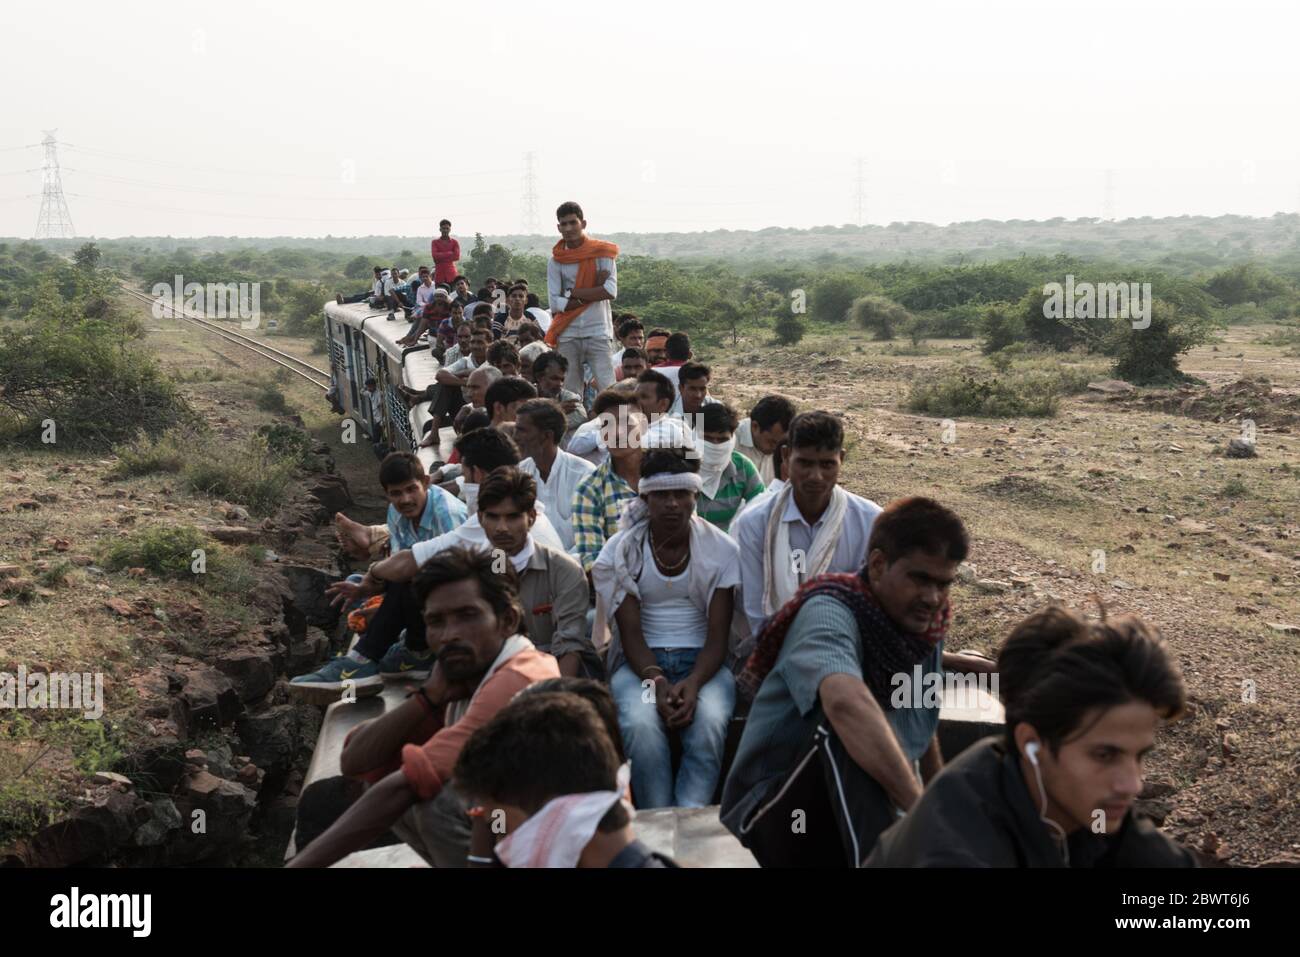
362 342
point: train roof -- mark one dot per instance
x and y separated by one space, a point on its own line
418 368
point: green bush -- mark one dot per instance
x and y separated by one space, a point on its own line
967 392
97 388
146 456
1150 356
832 296
249 473
956 322
1001 326
789 328
882 316
169 552
287 441
271 399
164 550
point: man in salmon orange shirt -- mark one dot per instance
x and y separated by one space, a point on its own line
446 253
472 616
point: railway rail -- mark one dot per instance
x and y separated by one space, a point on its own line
299 367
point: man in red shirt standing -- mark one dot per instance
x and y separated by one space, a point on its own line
445 252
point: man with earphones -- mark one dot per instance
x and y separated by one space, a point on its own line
1083 703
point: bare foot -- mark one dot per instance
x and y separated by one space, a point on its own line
354 538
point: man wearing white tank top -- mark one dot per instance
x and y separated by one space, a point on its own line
668 578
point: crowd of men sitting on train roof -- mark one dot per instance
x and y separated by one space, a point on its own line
587 584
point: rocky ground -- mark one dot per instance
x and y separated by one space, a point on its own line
206 749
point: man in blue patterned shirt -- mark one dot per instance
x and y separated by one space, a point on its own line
417 512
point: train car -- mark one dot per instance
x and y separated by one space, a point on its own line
362 343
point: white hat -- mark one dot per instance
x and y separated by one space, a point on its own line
667 432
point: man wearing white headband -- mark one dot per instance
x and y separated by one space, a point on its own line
668 579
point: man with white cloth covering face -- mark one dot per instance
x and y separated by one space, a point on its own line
668 578
547 772
812 526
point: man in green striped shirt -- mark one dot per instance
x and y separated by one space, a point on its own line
730 479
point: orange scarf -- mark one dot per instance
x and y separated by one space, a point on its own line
585 256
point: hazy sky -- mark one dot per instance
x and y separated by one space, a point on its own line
263 119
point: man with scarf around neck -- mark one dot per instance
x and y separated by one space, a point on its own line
472 616
1084 701
667 578
582 281
810 527
826 663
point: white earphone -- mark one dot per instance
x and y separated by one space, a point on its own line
1031 754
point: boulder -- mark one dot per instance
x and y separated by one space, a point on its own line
1241 449
307 652
250 669
307 585
271 738
234 534
209 697
330 490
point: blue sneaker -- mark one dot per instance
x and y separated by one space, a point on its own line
401 662
332 679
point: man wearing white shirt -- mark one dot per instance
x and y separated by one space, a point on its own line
759 436
810 527
539 428
584 337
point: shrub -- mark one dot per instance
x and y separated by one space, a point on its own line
250 474
96 389
168 551
1150 356
165 550
966 392
832 296
957 322
287 442
881 315
789 328
1235 488
147 456
271 399
1000 326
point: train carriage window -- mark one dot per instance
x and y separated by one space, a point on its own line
399 414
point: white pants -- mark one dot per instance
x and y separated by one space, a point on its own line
593 350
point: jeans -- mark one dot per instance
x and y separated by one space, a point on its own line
594 350
645 737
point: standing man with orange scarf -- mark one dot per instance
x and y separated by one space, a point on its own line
582 280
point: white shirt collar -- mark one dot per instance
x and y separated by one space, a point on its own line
520 561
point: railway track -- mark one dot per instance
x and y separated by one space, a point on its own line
299 367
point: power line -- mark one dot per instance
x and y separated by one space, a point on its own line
211 191
144 161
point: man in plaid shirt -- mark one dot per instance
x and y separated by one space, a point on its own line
599 499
